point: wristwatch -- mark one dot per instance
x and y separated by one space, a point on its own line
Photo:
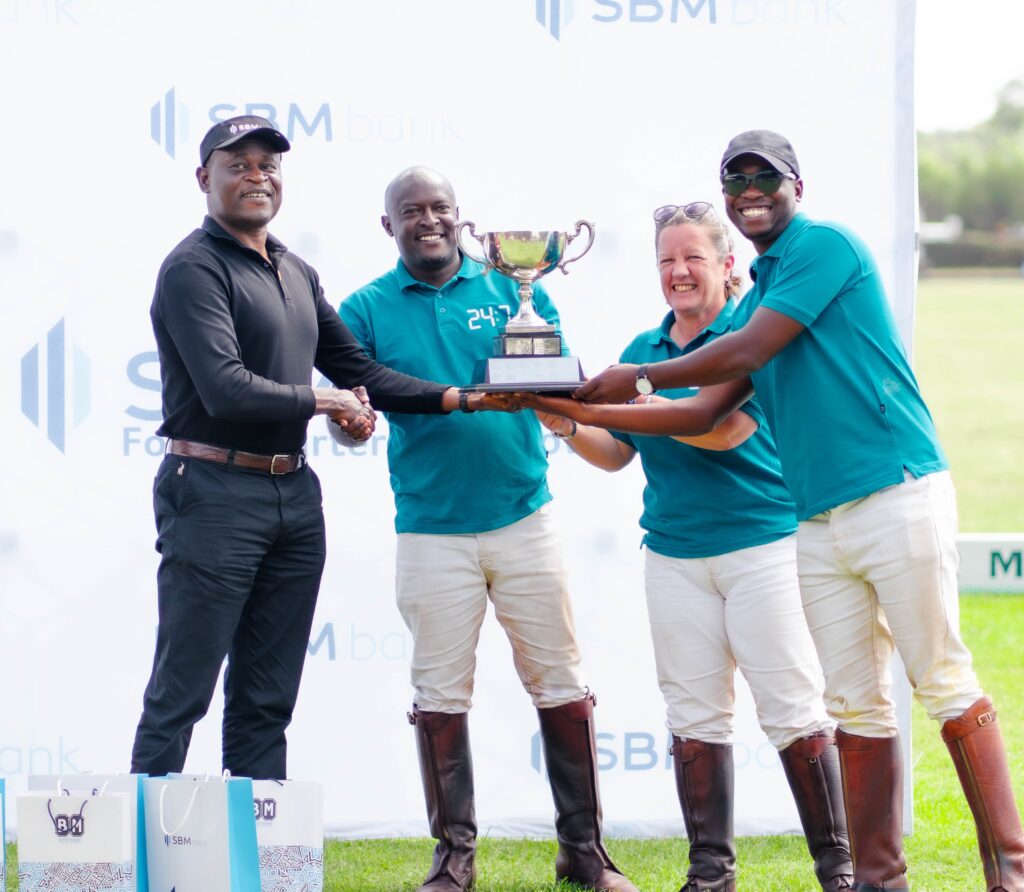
644 386
568 436
464 401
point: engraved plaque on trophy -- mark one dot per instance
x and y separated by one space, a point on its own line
528 353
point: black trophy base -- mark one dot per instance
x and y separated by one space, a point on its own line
553 375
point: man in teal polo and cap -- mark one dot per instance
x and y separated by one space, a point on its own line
473 525
877 534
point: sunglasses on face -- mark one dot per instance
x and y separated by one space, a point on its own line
767 182
692 211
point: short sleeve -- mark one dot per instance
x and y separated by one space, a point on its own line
812 272
353 314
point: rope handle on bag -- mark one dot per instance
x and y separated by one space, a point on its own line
184 818
66 791
225 777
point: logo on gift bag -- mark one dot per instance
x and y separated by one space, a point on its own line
69 824
65 826
264 809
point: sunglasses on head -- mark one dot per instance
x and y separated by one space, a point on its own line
692 211
767 182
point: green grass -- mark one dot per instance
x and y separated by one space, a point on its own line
967 361
942 852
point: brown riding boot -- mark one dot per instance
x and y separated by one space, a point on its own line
705 782
570 754
812 769
446 764
872 769
976 746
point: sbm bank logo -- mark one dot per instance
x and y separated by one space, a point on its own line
169 119
629 751
317 120
56 385
554 15
168 123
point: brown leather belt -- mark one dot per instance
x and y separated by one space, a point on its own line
270 464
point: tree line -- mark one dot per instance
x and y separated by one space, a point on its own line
977 175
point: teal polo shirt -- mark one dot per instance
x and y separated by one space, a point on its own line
840 399
457 473
698 502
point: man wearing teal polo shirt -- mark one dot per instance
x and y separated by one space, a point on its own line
877 535
472 501
720 574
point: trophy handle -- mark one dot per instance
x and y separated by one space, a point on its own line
472 231
580 224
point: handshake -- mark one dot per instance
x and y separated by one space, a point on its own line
351 419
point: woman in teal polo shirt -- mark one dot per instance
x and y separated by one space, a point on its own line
876 544
721 577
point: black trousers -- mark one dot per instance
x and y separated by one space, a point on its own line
242 553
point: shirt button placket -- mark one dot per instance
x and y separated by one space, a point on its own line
276 273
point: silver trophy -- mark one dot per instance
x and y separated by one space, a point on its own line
528 353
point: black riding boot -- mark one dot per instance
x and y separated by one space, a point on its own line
570 753
446 764
812 769
705 783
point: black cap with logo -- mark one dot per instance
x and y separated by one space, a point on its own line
772 147
233 130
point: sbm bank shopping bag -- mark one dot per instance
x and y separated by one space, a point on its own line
95 784
200 834
69 843
290 832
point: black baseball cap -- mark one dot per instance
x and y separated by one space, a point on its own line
233 130
772 147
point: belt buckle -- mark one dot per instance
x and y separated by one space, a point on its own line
273 460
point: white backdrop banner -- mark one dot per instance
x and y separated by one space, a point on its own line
540 112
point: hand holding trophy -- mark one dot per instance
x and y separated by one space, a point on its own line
528 353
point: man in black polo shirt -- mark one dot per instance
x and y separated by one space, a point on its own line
240 324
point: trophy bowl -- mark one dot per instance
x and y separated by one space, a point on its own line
522 255
525 256
528 352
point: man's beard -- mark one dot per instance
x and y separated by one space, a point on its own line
434 262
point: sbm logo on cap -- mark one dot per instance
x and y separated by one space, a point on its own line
236 128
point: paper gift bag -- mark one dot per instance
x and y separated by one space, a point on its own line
96 784
290 832
69 843
200 835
